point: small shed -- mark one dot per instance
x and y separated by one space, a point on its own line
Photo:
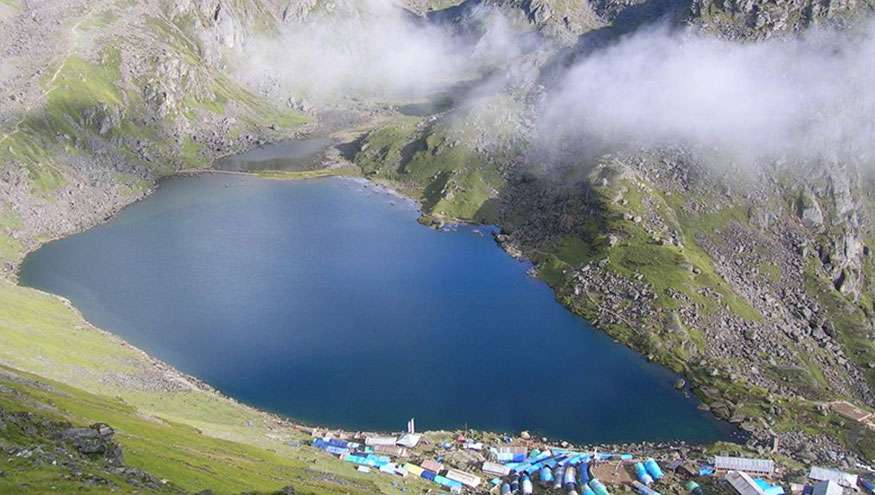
392 450
511 453
768 488
759 467
409 440
464 478
743 483
413 469
495 469
432 465
823 474
386 441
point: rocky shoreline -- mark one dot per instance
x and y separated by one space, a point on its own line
769 336
731 360
171 377
609 310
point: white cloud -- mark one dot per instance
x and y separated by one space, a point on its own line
375 50
805 97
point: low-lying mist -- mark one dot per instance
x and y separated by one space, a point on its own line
376 50
808 97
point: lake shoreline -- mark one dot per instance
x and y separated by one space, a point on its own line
643 447
381 188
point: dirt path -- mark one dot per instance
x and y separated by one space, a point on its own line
40 48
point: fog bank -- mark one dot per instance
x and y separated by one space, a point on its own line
812 96
375 50
809 97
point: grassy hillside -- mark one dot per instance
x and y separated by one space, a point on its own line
137 94
678 271
435 164
59 368
683 274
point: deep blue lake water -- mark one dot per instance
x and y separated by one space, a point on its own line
326 301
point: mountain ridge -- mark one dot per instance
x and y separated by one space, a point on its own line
655 245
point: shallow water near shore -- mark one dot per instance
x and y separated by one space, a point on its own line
324 300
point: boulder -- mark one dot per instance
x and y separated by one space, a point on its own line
95 440
809 210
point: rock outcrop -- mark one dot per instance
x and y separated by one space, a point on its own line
755 19
94 441
141 95
752 281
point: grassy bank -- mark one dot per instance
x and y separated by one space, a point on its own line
58 366
637 231
429 163
346 171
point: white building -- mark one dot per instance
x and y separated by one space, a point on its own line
758 467
384 441
828 487
743 483
823 474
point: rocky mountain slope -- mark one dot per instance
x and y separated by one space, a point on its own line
101 98
758 20
754 283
